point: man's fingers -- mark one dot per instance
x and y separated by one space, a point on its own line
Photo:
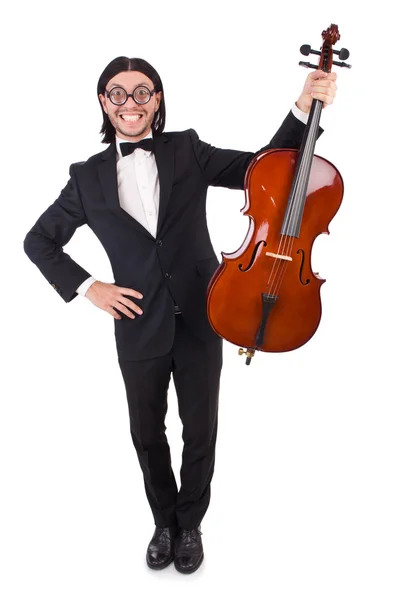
123 309
125 300
324 90
110 298
112 312
124 304
322 75
318 74
130 292
323 97
321 85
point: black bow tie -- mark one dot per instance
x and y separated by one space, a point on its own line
129 147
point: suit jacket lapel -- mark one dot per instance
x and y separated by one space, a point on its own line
107 172
164 153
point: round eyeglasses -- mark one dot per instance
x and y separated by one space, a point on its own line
141 95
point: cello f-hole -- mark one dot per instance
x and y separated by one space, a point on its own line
301 267
254 254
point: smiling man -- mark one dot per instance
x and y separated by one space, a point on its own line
145 199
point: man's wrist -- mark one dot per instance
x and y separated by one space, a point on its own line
82 289
299 114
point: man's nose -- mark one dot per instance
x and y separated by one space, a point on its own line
130 102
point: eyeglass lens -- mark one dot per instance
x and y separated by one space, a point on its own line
141 95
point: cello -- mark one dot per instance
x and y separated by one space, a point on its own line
265 295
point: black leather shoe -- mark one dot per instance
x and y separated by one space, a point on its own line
160 552
189 552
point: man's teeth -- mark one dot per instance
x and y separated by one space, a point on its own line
131 117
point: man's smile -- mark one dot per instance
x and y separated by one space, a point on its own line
131 118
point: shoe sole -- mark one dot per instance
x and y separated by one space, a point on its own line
159 567
185 572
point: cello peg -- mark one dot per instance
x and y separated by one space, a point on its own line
343 53
307 65
306 49
337 63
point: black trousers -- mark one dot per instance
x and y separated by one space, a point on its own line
196 368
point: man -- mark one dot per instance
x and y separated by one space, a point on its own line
147 206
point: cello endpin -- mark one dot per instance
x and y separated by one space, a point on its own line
250 354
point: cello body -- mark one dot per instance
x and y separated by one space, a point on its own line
234 295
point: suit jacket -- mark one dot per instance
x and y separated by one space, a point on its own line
172 268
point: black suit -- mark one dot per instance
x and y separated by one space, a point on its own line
172 269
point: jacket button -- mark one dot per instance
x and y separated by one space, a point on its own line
159 242
167 276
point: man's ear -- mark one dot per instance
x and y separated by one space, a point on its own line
159 96
103 102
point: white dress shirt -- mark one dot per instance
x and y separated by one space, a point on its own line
139 188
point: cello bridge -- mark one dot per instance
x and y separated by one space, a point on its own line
280 256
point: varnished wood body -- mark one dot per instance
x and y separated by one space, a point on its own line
234 304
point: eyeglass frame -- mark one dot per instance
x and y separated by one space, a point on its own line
116 87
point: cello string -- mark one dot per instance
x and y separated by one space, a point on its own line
286 241
295 208
302 186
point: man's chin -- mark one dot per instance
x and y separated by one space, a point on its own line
133 134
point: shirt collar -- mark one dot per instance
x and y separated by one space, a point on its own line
121 141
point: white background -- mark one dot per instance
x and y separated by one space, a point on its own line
304 494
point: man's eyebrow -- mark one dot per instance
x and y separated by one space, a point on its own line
137 85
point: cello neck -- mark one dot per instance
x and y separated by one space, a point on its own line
297 198
296 202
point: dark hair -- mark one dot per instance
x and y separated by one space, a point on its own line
122 63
